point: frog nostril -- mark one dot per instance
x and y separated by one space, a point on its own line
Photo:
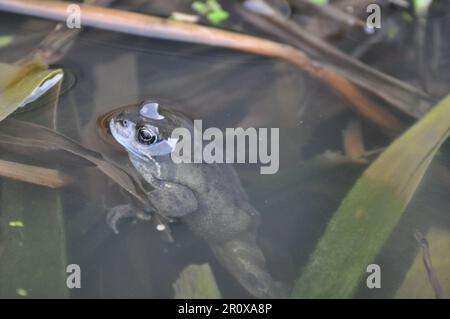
123 123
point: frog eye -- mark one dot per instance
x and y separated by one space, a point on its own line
146 136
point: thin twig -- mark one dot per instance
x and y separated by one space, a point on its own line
154 27
429 266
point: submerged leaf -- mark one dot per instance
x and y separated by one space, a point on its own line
6 40
196 282
366 218
20 85
16 223
21 292
33 261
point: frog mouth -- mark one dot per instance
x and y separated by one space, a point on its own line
119 134
139 155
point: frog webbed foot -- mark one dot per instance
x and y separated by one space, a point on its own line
120 212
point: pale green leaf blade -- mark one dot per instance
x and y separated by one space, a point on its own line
196 282
367 216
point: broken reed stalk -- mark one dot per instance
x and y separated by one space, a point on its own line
353 141
33 174
58 42
154 27
332 12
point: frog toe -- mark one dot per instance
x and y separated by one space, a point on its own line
116 214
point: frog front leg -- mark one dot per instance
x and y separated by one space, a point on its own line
120 212
171 201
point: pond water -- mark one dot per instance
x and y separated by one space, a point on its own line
224 88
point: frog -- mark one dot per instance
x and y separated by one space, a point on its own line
208 197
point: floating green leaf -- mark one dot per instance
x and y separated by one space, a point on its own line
200 7
212 10
366 218
21 292
421 6
33 259
218 16
20 85
196 282
214 5
16 223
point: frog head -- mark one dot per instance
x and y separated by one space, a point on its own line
143 131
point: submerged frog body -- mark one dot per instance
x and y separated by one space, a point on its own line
209 198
